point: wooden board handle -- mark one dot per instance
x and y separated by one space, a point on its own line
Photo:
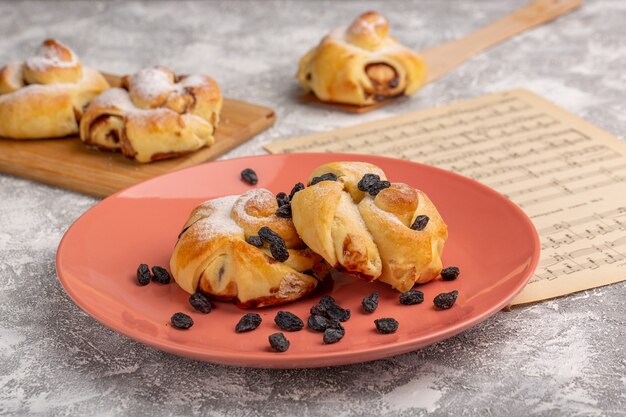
445 57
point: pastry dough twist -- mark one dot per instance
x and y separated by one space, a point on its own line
361 64
212 255
366 236
44 96
156 115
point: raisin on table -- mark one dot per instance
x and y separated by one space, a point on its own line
248 175
200 303
288 321
450 273
370 303
445 300
248 322
160 275
279 342
181 321
143 275
411 297
386 325
333 336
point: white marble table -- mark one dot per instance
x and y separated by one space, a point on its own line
562 357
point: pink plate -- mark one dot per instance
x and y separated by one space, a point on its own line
490 239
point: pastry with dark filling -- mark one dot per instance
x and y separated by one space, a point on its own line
361 65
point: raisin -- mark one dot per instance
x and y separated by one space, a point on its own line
450 273
386 326
324 177
370 304
160 275
282 199
143 275
248 323
278 249
284 211
333 335
321 323
368 181
288 321
411 297
249 176
420 222
255 241
181 321
298 187
378 187
445 300
327 307
279 342
200 302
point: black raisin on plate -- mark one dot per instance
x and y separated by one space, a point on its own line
248 322
386 325
181 321
160 275
420 222
298 187
200 303
324 177
255 241
279 342
333 336
327 307
321 323
370 303
411 297
450 273
368 181
249 176
445 300
288 322
278 248
284 211
282 199
143 275
378 187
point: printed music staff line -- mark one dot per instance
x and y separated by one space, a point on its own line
568 175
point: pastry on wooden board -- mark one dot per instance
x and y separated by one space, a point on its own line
156 114
213 254
395 236
361 65
44 96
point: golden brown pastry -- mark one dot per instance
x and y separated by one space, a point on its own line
44 96
361 64
370 237
155 115
213 256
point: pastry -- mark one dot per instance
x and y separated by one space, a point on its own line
361 64
44 96
213 255
155 115
395 236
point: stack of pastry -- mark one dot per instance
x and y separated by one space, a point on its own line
350 216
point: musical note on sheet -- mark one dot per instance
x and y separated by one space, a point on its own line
568 175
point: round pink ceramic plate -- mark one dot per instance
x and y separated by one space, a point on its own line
490 239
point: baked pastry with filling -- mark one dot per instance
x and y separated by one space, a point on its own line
361 65
156 114
369 228
44 96
213 255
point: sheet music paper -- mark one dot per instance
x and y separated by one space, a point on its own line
566 174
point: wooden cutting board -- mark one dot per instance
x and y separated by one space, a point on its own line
67 163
